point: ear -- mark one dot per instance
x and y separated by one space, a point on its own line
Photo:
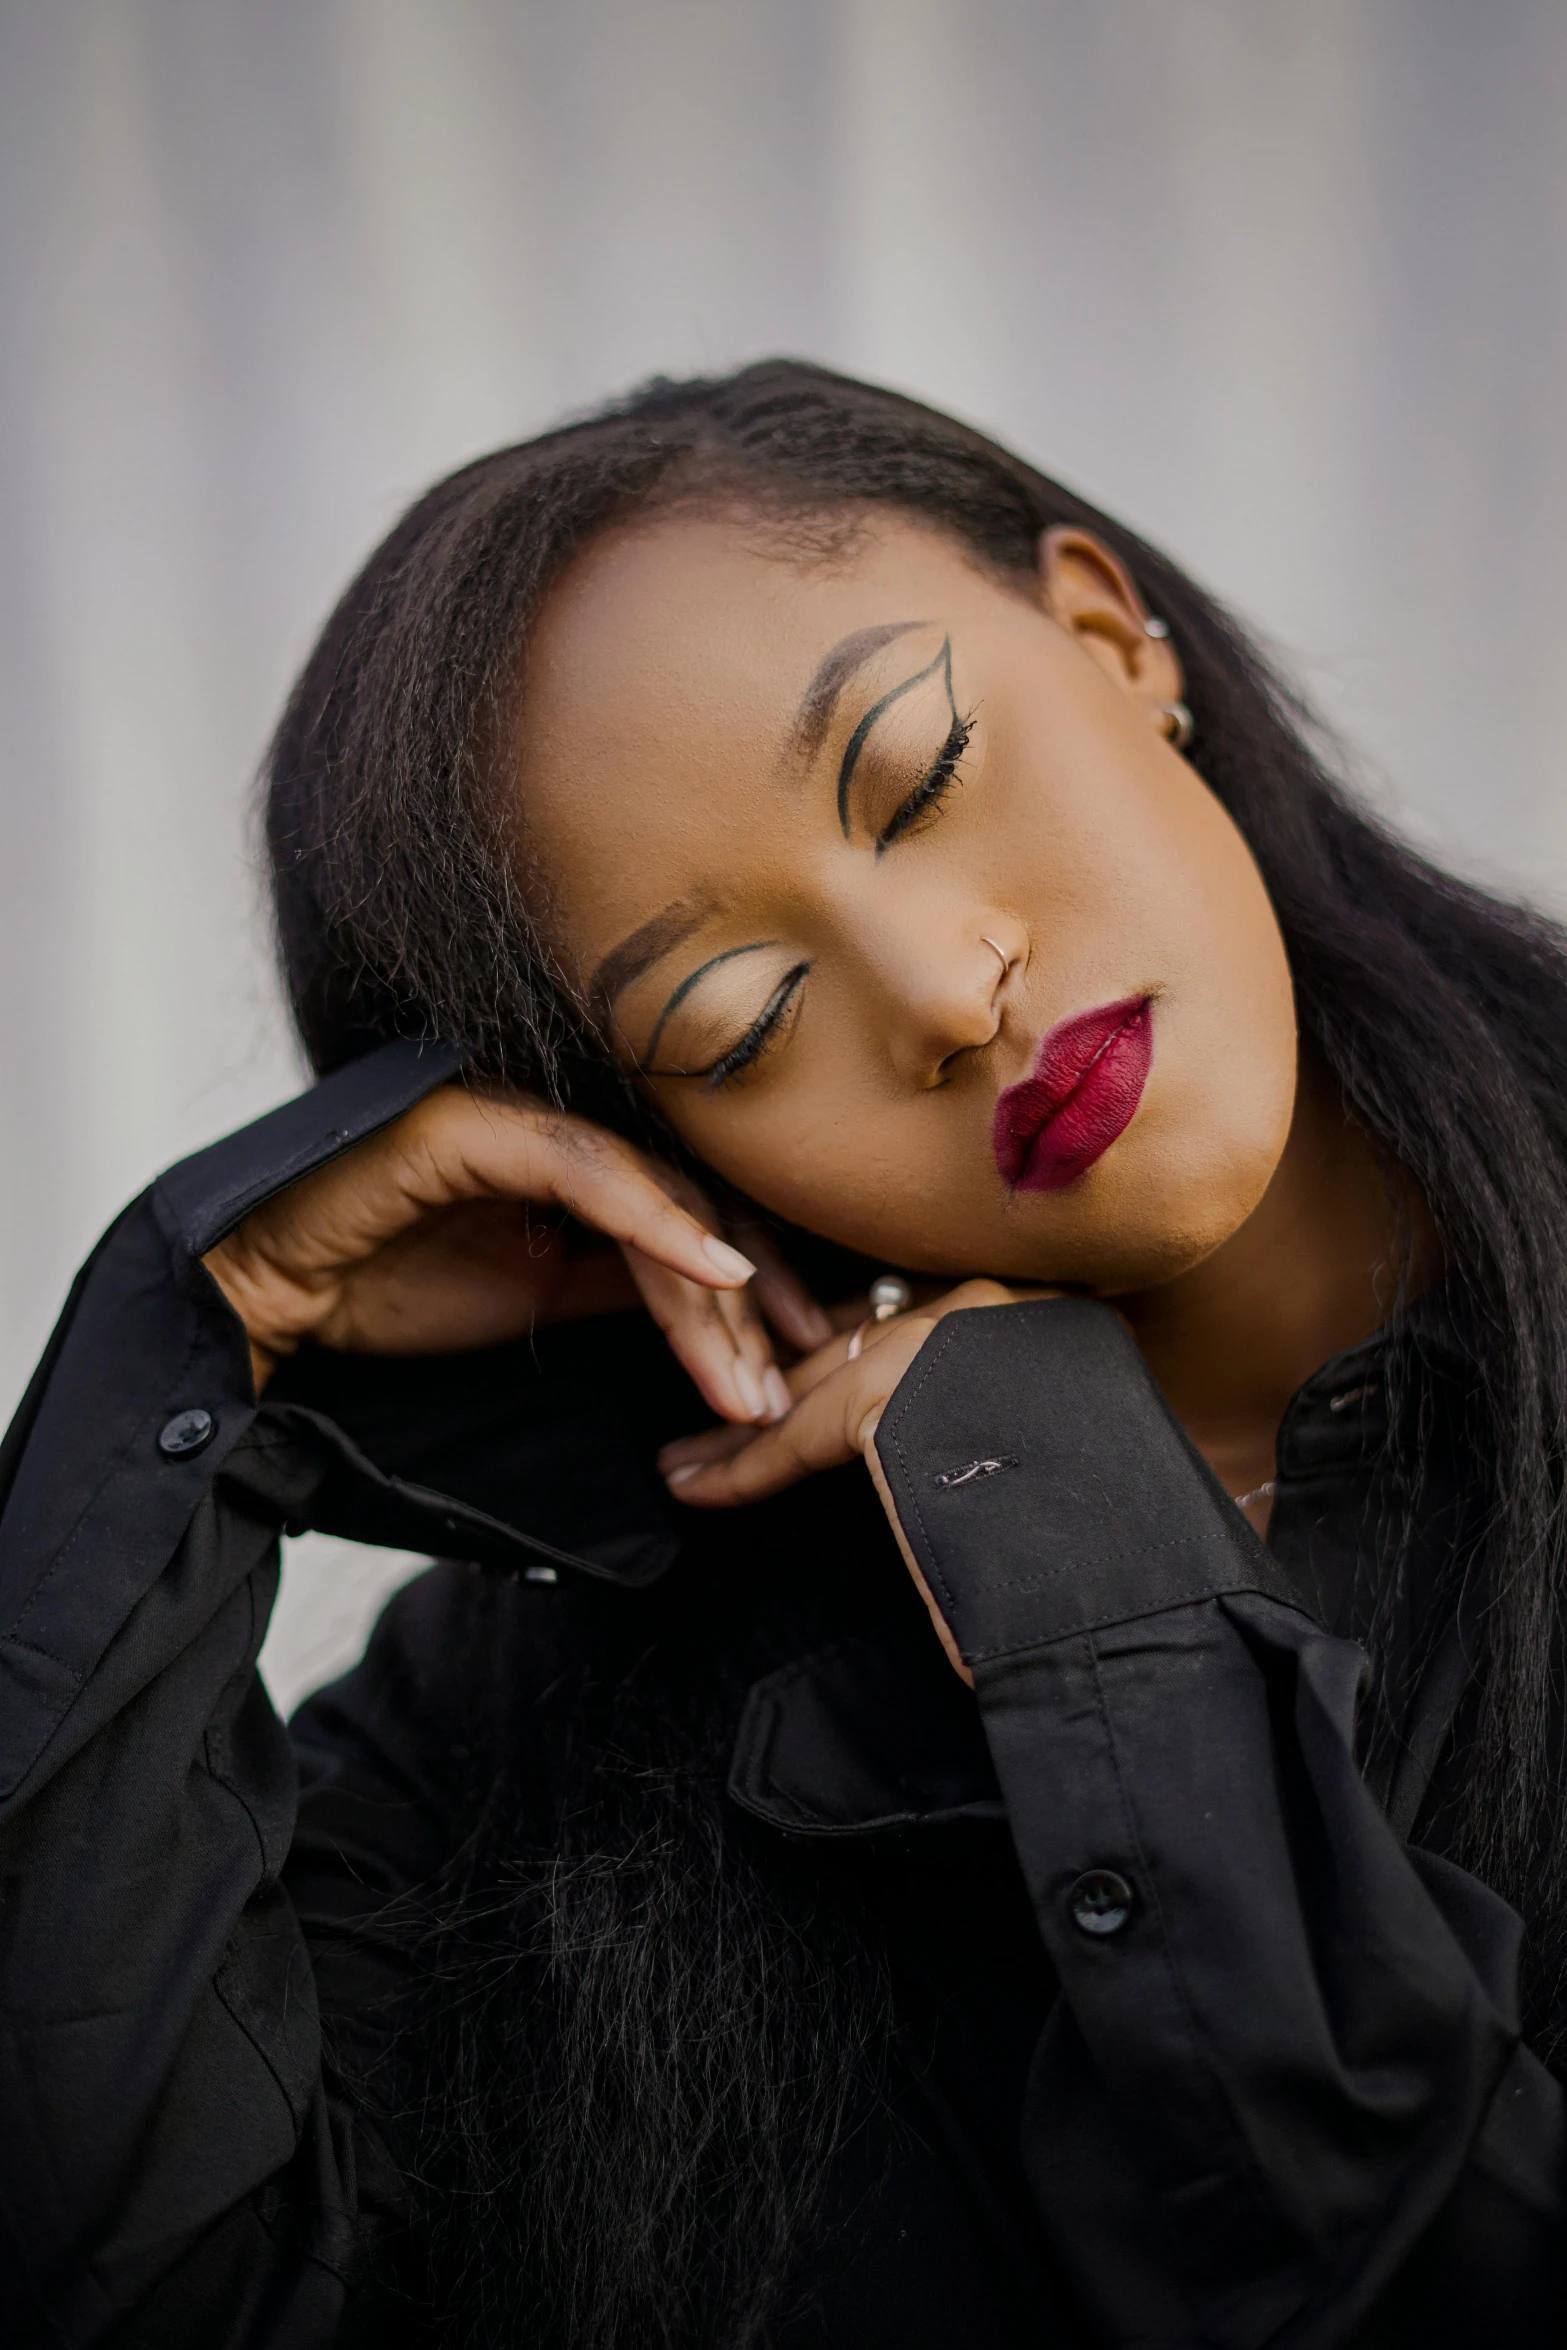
1089 591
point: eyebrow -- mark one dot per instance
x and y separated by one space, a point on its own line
820 699
645 946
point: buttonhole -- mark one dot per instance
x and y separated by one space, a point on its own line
1341 1403
973 1469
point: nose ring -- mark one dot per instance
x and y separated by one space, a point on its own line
1004 960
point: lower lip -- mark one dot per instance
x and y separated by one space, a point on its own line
1043 1141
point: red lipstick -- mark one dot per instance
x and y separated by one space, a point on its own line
1087 1082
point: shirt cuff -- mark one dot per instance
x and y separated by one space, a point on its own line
1045 1486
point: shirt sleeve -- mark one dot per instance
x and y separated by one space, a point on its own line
174 2165
1284 2088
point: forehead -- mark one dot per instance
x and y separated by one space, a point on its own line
657 728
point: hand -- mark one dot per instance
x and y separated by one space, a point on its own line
837 1403
426 1238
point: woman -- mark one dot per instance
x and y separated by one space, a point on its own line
1064 1887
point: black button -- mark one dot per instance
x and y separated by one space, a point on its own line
1100 1902
186 1433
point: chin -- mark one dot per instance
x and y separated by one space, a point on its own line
1165 1213
1153 1260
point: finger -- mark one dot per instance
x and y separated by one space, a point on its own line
687 1274
739 1310
803 1376
775 1300
809 1440
838 1398
871 1334
289 1266
457 1147
708 1444
713 1444
728 1357
780 1293
826 1428
741 1316
524 1151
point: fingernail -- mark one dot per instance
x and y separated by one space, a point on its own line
726 1260
749 1389
682 1472
779 1401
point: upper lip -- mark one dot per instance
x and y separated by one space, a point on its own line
1066 1055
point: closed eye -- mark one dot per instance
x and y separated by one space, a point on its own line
925 799
765 1031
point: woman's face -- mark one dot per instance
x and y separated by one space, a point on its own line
884 875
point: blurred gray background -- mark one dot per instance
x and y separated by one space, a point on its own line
1283 284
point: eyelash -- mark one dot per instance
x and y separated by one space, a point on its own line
759 1037
928 794
922 804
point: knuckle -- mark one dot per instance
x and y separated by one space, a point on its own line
436 1111
441 1141
416 1138
584 1147
979 1293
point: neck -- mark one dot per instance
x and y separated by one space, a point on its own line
1337 1237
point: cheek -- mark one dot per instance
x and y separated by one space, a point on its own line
902 1181
1202 1172
1184 913
1218 1111
808 1155
1244 1042
1162 893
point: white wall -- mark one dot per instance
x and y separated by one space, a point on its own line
1285 284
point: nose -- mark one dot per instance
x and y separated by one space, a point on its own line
949 993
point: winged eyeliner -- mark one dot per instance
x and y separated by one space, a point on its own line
942 661
857 740
687 984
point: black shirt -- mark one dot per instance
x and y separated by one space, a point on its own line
1198 2037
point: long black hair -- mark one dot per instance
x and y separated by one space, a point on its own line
403 907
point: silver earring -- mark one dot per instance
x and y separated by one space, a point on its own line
1178 724
1156 628
1004 960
